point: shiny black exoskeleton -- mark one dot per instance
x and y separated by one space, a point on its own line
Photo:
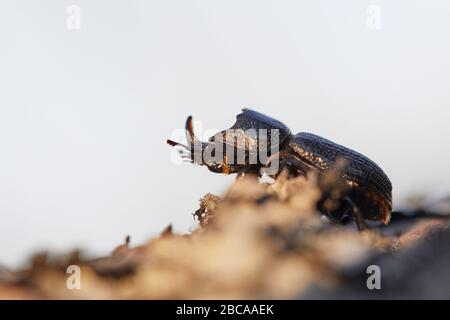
368 190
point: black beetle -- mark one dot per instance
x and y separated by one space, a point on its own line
368 192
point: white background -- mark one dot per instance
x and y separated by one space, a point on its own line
84 114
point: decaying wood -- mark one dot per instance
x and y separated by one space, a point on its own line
256 241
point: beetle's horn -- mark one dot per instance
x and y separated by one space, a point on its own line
191 138
194 146
190 132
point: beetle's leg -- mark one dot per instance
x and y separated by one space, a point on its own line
284 162
243 173
357 214
293 165
248 171
267 167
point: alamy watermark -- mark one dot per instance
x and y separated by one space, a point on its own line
373 18
73 281
73 20
374 280
229 149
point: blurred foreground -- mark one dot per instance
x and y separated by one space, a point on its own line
259 241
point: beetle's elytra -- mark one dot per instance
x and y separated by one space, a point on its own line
369 192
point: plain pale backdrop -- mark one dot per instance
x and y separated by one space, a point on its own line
84 114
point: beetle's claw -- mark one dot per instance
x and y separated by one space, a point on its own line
186 156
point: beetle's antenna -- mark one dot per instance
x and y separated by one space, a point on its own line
173 144
187 157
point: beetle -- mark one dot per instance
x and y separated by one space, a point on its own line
368 192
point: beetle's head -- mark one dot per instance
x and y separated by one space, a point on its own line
205 153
